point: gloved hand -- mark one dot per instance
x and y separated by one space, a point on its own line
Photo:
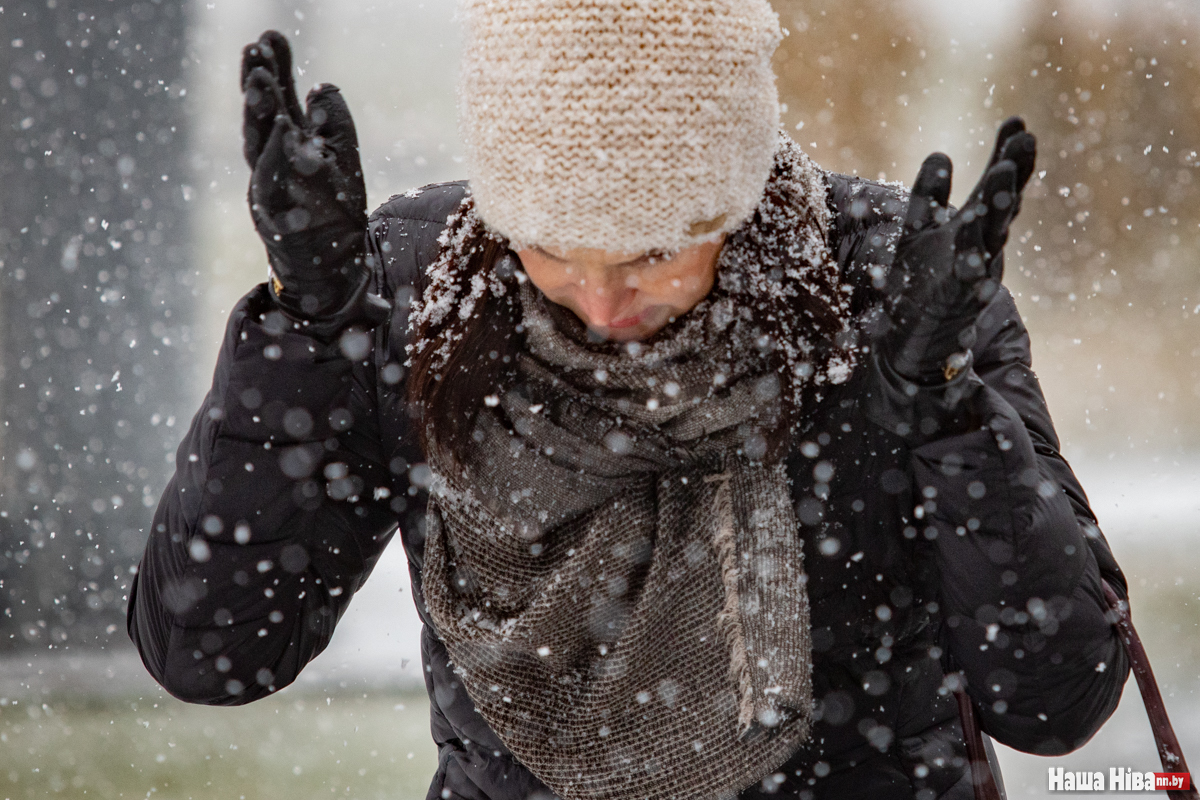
307 195
949 265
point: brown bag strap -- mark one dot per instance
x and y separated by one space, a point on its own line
1169 751
981 770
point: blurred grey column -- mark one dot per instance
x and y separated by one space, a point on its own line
96 288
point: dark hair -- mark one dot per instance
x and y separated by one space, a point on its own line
464 360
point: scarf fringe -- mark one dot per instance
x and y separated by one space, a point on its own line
729 619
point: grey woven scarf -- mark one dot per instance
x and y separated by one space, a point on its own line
616 566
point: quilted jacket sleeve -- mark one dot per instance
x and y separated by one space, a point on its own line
1017 549
1020 558
271 522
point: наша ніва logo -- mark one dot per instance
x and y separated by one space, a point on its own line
1120 779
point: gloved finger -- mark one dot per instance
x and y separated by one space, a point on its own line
273 53
1021 150
985 220
1008 129
930 192
1015 144
329 118
287 81
269 180
252 59
976 206
263 100
1001 198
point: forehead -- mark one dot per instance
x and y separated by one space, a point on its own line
597 258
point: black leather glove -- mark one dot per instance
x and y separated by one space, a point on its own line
307 195
949 265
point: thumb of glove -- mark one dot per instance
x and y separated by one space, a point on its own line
329 118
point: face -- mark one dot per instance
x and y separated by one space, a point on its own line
623 297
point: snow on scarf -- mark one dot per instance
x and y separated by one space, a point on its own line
616 567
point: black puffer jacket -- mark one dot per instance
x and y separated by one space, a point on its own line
953 540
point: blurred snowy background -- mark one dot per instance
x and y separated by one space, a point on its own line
125 240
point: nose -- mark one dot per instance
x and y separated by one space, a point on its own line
604 297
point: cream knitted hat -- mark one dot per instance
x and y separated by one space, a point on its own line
621 125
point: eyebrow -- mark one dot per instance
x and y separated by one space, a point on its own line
540 251
644 257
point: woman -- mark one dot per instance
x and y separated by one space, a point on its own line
715 471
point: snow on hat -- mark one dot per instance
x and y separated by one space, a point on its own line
621 125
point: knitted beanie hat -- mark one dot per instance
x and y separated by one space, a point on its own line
621 125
